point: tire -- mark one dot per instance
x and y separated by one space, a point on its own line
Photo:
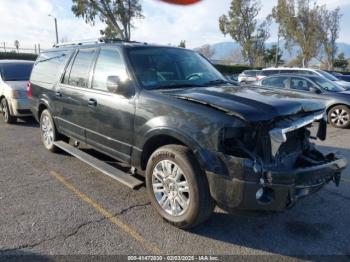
48 131
6 112
339 116
188 185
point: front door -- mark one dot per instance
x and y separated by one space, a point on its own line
111 117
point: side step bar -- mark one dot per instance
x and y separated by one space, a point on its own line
106 169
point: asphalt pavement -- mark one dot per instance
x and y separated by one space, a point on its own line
54 204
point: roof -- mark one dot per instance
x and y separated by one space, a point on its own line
288 68
99 42
8 61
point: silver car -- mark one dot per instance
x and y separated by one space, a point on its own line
14 76
247 76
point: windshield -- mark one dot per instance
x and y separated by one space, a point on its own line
327 85
16 72
327 75
165 67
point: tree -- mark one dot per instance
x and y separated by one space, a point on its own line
206 51
182 44
241 24
117 14
341 62
16 43
270 56
299 24
329 33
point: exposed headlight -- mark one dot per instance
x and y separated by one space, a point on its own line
15 94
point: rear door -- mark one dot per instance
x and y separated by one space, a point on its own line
111 117
72 96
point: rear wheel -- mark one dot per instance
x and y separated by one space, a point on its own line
177 187
339 116
6 112
48 131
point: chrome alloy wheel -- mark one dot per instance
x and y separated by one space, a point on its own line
4 110
47 131
170 188
340 117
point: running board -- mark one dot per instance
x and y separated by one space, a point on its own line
116 174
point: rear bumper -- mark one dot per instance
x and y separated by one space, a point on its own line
280 189
19 107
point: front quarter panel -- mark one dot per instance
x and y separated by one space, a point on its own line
195 125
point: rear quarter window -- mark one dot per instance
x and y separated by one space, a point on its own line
48 67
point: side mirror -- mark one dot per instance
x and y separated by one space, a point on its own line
315 90
116 86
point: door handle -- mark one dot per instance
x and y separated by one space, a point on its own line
92 102
58 94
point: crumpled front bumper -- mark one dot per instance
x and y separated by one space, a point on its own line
243 188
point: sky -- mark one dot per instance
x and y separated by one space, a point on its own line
28 22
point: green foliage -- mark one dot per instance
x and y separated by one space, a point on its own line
182 44
241 24
14 55
234 69
117 14
270 56
341 62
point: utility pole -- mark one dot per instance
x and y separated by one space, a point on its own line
56 29
278 45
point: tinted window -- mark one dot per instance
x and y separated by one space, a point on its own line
268 72
326 84
327 75
47 67
306 72
79 74
300 84
251 72
109 63
276 82
16 72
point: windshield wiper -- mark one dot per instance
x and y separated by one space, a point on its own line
218 82
175 86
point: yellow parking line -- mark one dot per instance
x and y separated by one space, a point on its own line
131 232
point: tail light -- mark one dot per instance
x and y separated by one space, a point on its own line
29 91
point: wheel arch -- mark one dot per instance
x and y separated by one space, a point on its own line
162 137
337 104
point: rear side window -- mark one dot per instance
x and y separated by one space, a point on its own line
268 72
251 73
276 82
48 66
16 71
109 63
79 72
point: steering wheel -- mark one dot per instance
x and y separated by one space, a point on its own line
194 75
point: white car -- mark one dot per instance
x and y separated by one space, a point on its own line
302 71
14 76
247 76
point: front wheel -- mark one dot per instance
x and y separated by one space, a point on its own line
339 117
177 187
6 112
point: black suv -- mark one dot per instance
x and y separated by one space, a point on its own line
169 114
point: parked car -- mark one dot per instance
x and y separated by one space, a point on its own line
172 117
302 71
341 76
247 76
14 76
337 99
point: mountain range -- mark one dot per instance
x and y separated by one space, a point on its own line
225 49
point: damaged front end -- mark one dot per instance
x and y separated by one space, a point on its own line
271 165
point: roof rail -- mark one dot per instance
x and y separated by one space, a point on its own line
92 41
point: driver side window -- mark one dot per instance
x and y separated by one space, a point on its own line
300 84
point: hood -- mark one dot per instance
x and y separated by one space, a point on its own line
343 83
17 85
249 104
